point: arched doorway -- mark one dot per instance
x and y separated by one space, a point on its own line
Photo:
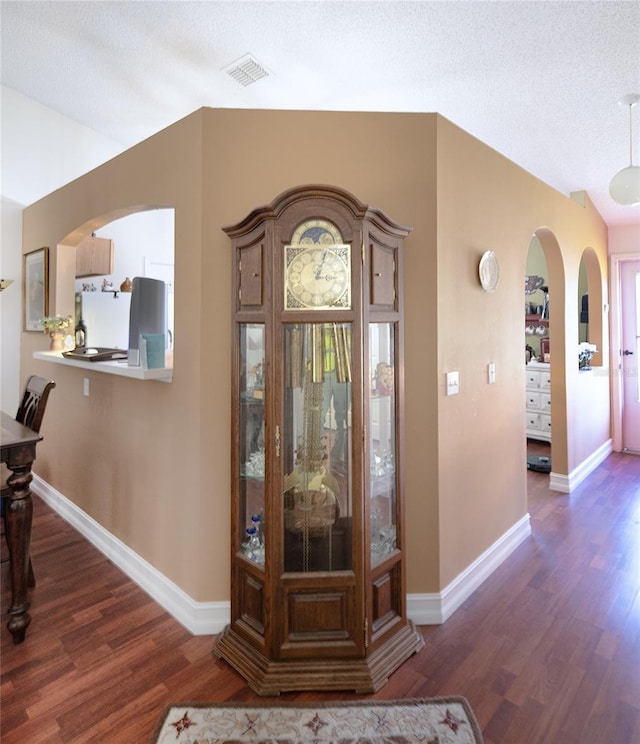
143 244
590 301
544 335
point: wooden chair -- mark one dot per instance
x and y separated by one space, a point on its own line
30 413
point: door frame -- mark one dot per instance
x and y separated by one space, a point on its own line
615 322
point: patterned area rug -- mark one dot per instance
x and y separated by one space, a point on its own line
430 721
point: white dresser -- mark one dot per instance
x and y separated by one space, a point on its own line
539 401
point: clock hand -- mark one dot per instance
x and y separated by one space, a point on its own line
321 265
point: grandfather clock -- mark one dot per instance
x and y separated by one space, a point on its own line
317 583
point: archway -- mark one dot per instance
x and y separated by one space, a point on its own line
546 394
143 244
590 304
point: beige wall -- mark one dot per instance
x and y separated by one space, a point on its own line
486 202
150 461
130 454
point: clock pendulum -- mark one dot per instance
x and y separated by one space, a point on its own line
311 491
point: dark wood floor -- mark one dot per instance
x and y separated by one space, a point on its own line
547 650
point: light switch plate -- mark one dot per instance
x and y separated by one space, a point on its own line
453 383
491 372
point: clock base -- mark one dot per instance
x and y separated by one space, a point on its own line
362 676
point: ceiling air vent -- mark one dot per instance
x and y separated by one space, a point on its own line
246 70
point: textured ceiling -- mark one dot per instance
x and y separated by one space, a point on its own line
537 81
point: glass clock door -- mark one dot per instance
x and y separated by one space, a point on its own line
316 444
252 451
382 441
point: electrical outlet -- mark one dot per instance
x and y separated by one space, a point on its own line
85 389
491 372
453 383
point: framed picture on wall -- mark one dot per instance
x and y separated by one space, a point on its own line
35 288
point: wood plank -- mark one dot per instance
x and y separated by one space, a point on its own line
546 650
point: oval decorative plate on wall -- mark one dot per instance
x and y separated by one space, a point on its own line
489 271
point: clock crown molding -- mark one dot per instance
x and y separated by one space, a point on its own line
332 194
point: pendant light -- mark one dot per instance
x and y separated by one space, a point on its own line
625 185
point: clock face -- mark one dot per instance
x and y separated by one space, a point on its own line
317 268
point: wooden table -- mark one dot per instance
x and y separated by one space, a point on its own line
18 450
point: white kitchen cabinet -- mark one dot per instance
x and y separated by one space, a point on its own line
539 401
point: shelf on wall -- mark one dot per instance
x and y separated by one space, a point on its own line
119 368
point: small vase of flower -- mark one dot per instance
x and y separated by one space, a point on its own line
585 355
57 326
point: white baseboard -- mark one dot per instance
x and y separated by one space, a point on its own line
199 618
567 483
435 609
210 618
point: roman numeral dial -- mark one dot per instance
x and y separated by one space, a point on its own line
317 268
